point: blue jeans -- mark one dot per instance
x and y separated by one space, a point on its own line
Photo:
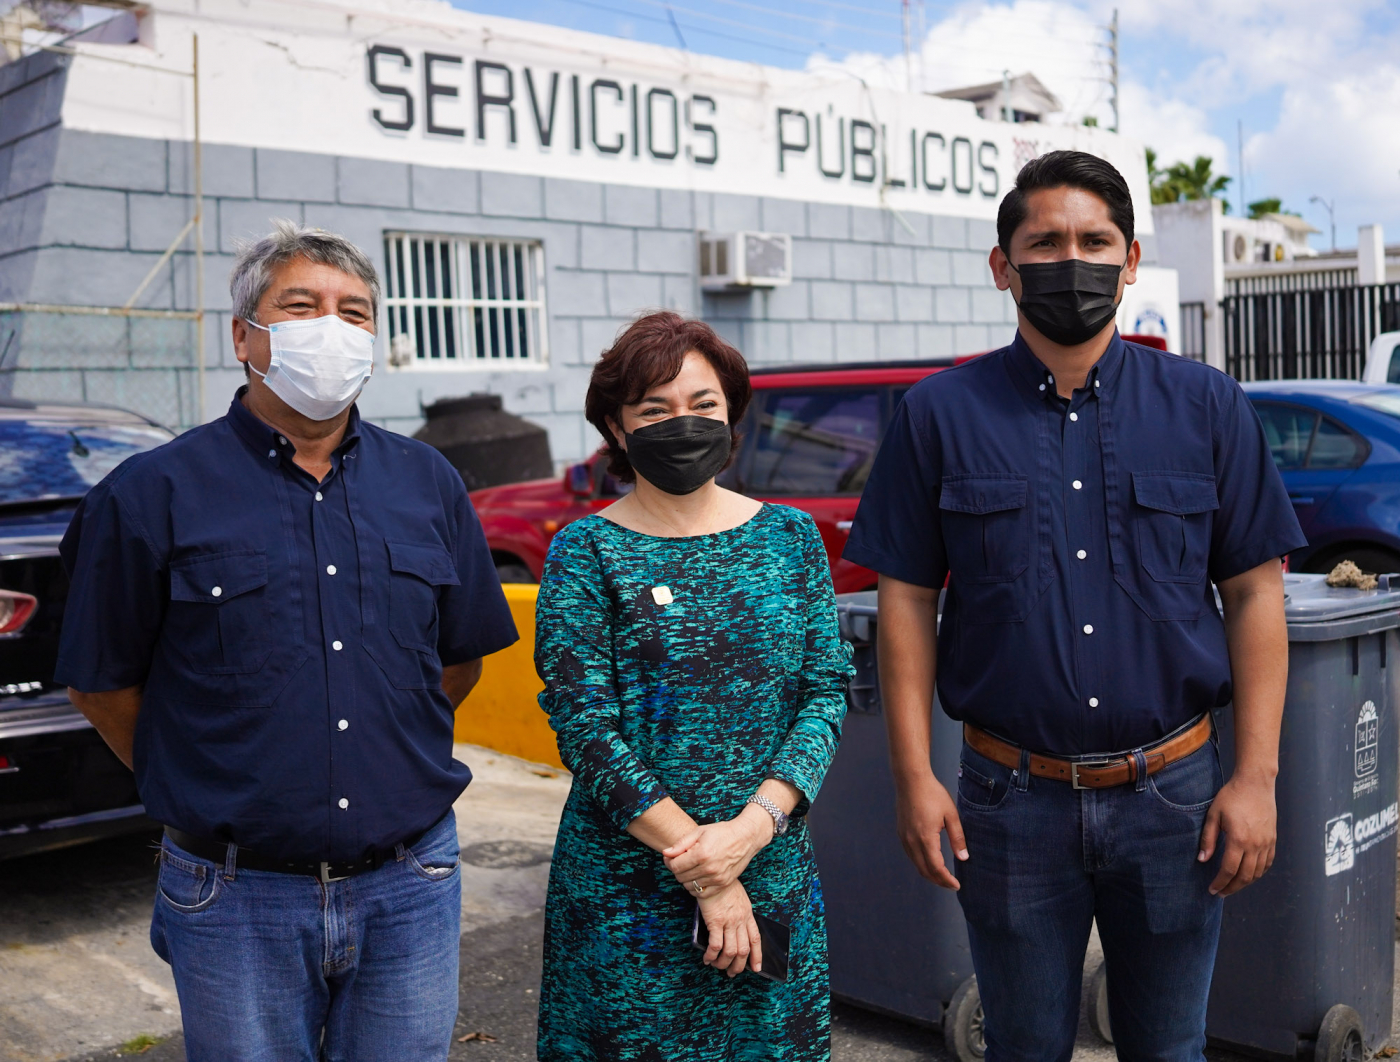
281 968
1045 861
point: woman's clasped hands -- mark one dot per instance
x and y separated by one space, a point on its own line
707 862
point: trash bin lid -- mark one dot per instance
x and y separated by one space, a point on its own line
1316 612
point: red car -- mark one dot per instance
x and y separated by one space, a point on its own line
810 436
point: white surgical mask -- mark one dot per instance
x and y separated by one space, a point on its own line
319 366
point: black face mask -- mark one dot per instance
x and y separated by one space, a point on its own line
1069 301
679 455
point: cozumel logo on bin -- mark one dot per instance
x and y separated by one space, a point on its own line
1340 851
1347 837
1367 748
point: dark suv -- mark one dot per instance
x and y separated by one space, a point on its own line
59 783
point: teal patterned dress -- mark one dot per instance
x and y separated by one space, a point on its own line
740 677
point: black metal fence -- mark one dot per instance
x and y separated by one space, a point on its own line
1313 333
1193 331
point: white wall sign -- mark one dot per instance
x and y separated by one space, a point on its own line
420 81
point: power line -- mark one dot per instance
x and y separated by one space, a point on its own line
694 29
763 8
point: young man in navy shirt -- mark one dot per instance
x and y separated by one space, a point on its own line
1081 495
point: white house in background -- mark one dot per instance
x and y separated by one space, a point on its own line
1022 98
1215 254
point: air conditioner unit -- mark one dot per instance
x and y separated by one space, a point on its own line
733 260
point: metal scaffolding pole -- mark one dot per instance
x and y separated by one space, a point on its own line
198 240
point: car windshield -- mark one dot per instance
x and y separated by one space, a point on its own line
46 458
1381 401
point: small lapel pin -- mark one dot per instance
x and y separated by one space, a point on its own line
661 595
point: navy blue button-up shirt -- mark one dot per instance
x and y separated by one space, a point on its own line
290 635
1081 535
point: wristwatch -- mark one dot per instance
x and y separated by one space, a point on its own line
780 819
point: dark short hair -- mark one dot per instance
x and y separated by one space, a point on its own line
1066 169
651 351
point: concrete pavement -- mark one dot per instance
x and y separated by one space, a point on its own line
78 977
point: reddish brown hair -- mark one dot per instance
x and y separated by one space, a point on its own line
651 351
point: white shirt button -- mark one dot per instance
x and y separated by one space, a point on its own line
1074 416
344 724
1050 378
272 453
1042 387
1088 628
1097 383
330 569
217 591
1081 554
336 646
318 495
282 439
1077 485
343 803
1093 702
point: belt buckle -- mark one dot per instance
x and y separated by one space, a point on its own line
1074 766
325 876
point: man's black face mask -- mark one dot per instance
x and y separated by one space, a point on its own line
1070 302
679 455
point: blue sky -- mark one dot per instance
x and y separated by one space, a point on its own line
1316 83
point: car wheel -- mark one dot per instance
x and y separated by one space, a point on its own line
515 573
1372 559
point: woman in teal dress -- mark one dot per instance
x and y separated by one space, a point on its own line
695 677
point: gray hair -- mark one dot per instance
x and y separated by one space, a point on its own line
252 270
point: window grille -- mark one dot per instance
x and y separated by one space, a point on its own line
464 301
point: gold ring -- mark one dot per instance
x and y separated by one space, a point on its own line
699 889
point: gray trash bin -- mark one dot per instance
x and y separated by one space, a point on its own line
1307 955
898 943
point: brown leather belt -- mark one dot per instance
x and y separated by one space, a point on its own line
1093 773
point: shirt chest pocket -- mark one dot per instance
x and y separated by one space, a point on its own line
220 614
986 527
1173 523
417 574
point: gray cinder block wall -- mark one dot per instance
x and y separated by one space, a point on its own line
84 216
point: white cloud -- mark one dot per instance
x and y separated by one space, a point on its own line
1339 140
1331 62
1175 129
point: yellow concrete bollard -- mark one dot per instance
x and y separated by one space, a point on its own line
502 713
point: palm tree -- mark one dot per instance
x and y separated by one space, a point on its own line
1182 181
1196 181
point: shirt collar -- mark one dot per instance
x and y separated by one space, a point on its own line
272 444
1038 378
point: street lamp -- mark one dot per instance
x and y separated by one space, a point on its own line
1330 217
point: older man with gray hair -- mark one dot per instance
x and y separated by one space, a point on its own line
272 619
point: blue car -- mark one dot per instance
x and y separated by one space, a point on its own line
1337 444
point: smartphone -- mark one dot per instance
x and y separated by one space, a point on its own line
774 937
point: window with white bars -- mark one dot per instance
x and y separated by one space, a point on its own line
463 301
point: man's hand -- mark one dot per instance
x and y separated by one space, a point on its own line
717 853
734 940
922 812
1246 813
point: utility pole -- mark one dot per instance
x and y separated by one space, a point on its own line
1006 96
908 62
1113 65
1244 211
1330 218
